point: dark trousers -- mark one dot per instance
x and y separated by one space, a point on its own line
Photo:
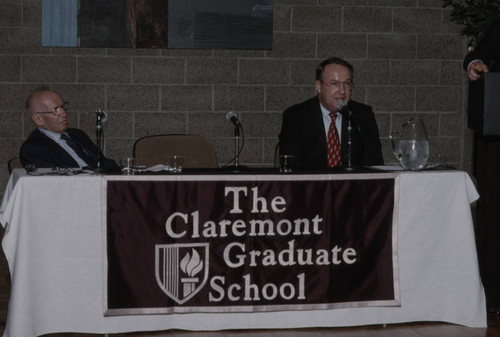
487 221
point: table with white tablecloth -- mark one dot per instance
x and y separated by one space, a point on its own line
54 246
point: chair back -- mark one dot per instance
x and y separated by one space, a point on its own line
197 151
13 164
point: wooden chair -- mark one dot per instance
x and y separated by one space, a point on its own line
13 164
197 151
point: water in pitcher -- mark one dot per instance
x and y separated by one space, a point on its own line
413 153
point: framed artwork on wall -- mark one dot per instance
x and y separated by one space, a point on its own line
197 24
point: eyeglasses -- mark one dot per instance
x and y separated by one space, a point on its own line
335 85
57 110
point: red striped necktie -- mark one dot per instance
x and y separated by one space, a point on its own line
333 143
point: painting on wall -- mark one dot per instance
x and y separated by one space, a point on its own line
198 24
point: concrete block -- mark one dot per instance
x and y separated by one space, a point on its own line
138 52
186 98
238 98
257 71
211 124
412 72
11 13
158 70
11 68
10 148
260 125
439 99
14 96
133 97
393 3
211 71
452 73
298 45
282 19
48 68
391 98
21 40
346 46
82 97
451 124
392 46
187 52
292 2
270 151
32 13
104 69
303 71
279 98
430 3
159 123
119 124
316 19
367 19
371 72
11 124
116 148
446 46
384 124
417 20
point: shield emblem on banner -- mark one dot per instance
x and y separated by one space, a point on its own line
181 269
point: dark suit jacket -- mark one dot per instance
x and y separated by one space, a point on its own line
42 151
303 135
488 51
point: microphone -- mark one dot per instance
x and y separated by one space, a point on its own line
101 115
342 107
233 118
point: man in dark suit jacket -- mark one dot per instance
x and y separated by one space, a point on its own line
53 144
485 58
305 125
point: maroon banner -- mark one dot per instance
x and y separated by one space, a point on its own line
215 246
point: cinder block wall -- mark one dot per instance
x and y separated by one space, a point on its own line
406 53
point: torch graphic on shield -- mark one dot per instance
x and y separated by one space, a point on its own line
191 264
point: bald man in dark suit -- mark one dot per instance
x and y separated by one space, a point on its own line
53 144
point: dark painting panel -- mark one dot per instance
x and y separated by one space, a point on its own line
118 23
200 24
221 24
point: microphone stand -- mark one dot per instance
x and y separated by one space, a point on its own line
236 167
349 142
236 146
99 116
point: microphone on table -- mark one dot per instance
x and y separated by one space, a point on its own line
101 117
343 108
233 118
238 130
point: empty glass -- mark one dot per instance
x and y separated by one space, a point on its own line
128 166
175 163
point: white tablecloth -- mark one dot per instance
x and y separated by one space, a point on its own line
54 238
